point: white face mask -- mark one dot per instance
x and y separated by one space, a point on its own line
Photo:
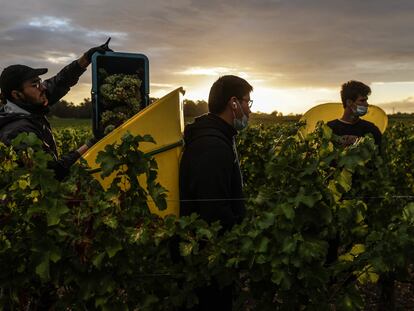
361 110
240 124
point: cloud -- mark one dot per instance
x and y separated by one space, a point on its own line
280 43
57 58
50 41
213 71
51 23
405 105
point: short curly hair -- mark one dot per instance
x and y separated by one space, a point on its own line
352 89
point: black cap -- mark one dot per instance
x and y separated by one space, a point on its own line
13 77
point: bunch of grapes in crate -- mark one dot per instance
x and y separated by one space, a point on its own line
120 98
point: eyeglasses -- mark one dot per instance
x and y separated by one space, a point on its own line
37 84
249 102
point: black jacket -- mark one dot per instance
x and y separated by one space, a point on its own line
210 177
14 120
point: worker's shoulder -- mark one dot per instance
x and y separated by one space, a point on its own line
332 121
14 126
17 121
210 136
369 125
211 144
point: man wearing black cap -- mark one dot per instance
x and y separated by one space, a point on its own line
26 100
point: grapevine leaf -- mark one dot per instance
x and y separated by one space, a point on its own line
55 212
112 247
186 249
288 211
97 260
268 220
42 269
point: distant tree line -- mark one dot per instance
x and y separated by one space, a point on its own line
193 109
64 109
83 110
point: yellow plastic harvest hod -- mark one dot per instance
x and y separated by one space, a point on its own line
331 111
164 121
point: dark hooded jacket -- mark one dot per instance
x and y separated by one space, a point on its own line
210 177
15 120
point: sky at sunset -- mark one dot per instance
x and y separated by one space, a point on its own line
295 53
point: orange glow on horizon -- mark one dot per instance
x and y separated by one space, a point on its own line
268 99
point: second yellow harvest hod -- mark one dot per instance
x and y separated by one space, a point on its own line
331 111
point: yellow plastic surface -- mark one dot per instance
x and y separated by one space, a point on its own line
164 121
331 111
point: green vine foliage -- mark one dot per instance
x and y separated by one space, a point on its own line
76 246
70 138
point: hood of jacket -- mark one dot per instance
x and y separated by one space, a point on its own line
209 125
10 112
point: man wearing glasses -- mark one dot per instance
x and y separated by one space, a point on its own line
26 100
210 177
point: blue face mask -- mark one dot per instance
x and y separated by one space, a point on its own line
240 124
361 110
